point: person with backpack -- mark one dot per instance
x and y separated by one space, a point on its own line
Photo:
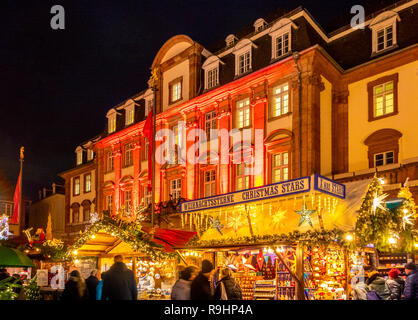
228 288
377 287
396 284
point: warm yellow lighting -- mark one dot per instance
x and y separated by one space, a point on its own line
392 240
405 210
76 261
75 252
349 237
416 245
93 236
382 181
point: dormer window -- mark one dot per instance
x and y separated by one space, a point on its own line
111 123
259 25
129 115
79 157
384 31
281 37
90 155
243 56
230 40
211 67
212 78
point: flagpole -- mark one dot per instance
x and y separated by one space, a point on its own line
22 149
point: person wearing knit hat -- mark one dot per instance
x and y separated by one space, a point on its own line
201 288
396 284
411 282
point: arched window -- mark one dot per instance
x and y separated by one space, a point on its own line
86 204
383 147
75 213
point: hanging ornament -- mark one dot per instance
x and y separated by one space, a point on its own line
305 215
216 224
260 261
235 222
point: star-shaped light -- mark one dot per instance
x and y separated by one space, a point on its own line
216 224
235 222
278 217
305 215
377 202
406 218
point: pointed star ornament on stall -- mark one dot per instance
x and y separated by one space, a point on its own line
378 201
305 215
406 219
235 222
216 224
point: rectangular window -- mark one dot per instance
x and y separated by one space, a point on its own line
385 38
87 182
282 44
109 161
383 99
130 116
128 155
244 62
242 176
209 182
212 79
147 197
210 123
280 167
90 155
86 213
175 188
79 157
76 187
381 159
112 124
175 88
109 203
280 100
243 113
146 149
127 200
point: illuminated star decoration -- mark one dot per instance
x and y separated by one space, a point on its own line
278 217
235 222
216 224
406 218
377 202
305 215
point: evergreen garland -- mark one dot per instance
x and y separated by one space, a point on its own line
32 290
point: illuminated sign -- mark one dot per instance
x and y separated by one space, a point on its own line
280 189
329 186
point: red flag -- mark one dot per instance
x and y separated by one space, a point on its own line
16 200
149 134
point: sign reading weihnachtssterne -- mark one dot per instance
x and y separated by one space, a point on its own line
280 189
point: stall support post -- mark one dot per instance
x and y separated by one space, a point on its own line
300 285
346 271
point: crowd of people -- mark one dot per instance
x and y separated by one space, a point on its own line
394 288
118 283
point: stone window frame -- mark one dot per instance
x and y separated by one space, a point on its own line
85 182
393 77
380 141
170 90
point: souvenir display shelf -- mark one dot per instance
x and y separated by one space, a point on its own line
388 261
265 290
246 280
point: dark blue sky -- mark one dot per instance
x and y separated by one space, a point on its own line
57 85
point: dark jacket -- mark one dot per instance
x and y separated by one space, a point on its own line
396 287
200 289
232 288
379 285
411 286
71 293
119 283
92 283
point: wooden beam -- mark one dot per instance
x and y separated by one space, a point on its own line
115 244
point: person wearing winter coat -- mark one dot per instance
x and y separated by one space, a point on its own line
411 282
201 289
182 287
92 283
75 288
232 289
396 284
378 284
119 282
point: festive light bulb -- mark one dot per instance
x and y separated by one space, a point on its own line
416 245
93 236
382 181
392 240
349 237
405 210
76 261
75 252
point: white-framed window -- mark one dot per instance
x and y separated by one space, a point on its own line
244 64
109 202
230 40
6 208
90 155
243 113
210 183
112 123
259 25
280 101
384 31
127 200
147 196
242 176
128 155
76 187
175 188
87 182
212 78
109 161
383 99
282 44
280 167
176 91
210 123
79 157
384 158
129 115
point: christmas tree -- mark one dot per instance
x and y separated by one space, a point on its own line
33 291
404 219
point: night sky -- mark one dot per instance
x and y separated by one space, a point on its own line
57 85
